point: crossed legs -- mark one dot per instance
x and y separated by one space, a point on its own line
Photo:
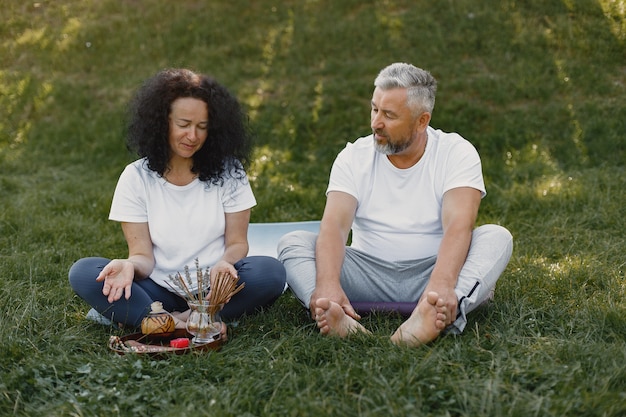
489 254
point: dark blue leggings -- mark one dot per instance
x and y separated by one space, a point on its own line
264 277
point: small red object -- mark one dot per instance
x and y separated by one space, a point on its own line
181 342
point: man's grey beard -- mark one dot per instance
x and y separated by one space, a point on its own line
391 148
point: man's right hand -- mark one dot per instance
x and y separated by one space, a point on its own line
336 295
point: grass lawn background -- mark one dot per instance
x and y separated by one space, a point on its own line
539 87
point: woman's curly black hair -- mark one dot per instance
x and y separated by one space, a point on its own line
228 144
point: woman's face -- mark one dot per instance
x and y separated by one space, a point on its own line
189 123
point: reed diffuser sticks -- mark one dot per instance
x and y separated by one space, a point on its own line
218 292
222 290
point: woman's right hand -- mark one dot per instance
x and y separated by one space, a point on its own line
118 276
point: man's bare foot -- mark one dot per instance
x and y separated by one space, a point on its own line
425 323
332 320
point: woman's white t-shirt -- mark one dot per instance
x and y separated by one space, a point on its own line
186 222
398 215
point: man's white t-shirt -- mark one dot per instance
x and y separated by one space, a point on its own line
186 222
398 215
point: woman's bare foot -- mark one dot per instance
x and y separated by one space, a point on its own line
224 332
332 320
180 319
425 323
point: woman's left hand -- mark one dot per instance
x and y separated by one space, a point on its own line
222 267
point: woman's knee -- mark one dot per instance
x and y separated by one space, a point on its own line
86 270
266 269
264 278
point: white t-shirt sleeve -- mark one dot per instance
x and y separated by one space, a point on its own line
130 200
344 171
237 195
466 168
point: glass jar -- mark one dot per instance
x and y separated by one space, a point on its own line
204 322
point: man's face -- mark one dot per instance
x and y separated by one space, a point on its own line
392 122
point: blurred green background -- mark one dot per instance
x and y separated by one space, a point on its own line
538 86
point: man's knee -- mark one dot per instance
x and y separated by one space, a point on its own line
496 235
296 244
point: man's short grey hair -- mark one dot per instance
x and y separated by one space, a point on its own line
420 84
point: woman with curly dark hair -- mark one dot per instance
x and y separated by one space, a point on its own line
186 198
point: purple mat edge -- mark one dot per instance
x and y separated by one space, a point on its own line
367 307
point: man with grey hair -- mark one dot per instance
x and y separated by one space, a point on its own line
410 195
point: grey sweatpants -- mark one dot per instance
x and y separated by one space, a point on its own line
365 277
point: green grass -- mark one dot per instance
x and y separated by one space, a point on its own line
538 86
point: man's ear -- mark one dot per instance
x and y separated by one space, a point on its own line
423 120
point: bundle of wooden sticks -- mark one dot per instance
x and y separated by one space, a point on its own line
218 291
223 287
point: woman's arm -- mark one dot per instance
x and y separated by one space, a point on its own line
118 275
139 248
235 240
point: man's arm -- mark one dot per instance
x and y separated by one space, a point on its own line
331 248
459 212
